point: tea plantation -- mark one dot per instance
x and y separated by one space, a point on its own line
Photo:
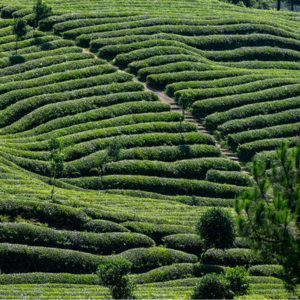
91 76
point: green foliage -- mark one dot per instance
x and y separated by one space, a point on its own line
233 257
19 30
229 177
239 282
267 270
217 229
41 11
114 274
267 214
212 286
100 226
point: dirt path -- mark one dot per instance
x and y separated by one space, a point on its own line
188 116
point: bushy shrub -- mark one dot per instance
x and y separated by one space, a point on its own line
22 259
212 286
100 226
145 259
239 281
190 243
114 274
96 243
232 257
267 270
229 177
156 231
53 214
216 228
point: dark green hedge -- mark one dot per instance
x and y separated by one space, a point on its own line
53 214
280 131
161 80
157 231
145 259
232 257
261 121
204 107
95 243
216 83
250 110
41 63
100 226
267 270
42 278
174 67
246 151
193 168
7 11
167 186
24 259
229 177
190 243
47 24
159 60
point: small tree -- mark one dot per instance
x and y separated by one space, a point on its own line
217 229
269 213
185 102
114 275
41 11
212 286
20 30
238 278
56 161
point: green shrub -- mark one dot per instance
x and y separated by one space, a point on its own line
47 24
7 11
232 257
156 231
145 259
165 273
248 150
250 110
53 214
100 226
192 168
161 80
256 122
96 243
114 274
208 106
174 67
267 270
229 177
42 278
216 83
23 259
239 281
21 13
135 66
212 286
169 186
216 228
190 243
287 130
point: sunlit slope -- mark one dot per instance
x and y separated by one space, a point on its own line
231 64
237 68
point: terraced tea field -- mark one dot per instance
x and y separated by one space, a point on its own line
99 74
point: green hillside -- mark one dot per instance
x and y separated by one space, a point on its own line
92 76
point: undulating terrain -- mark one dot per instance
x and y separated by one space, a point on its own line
92 75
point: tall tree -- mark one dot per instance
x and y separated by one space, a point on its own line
41 11
20 30
269 213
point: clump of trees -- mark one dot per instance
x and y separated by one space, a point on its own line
269 213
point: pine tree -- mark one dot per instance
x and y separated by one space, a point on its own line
269 213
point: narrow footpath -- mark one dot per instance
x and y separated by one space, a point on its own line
188 116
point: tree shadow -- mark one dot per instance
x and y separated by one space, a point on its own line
16 59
